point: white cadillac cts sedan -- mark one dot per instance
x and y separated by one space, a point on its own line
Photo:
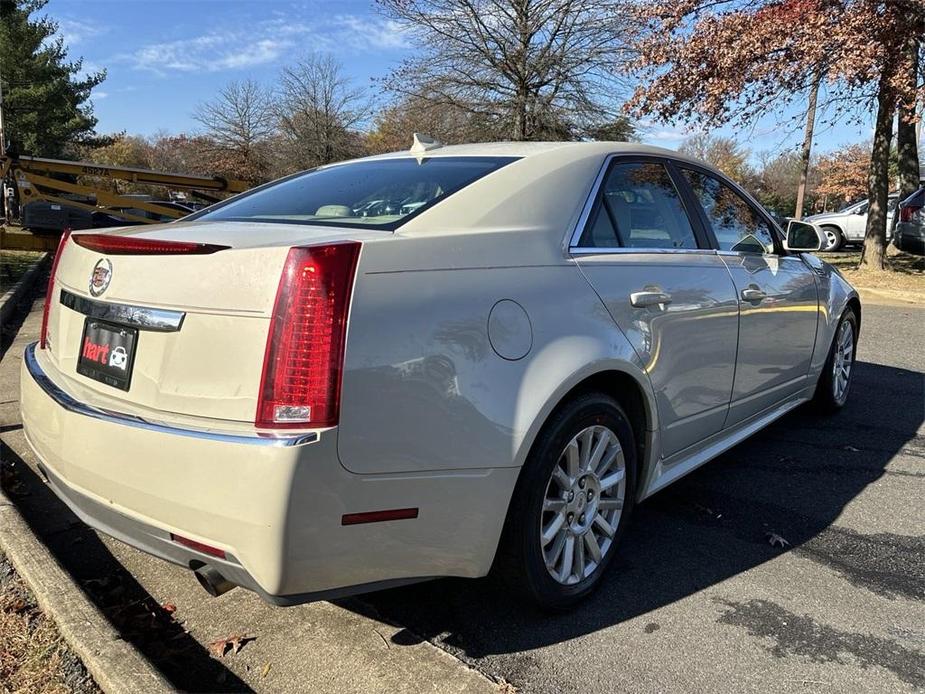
429 363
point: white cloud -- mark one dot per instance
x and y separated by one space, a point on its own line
368 32
266 42
75 31
659 133
97 95
210 53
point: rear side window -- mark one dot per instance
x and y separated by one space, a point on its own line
736 224
639 207
378 194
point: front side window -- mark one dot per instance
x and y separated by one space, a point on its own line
377 194
639 207
736 224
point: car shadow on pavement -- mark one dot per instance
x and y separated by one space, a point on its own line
136 616
793 479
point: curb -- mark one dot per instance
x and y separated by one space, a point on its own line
10 300
114 664
891 297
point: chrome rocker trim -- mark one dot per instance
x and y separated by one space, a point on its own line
141 317
72 405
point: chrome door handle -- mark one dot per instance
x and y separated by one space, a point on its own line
649 297
751 294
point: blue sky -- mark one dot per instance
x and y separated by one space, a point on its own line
163 57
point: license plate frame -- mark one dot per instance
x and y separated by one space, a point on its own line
107 353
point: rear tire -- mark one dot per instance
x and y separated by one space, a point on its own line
834 239
835 380
571 504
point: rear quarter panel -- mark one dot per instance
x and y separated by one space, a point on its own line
423 389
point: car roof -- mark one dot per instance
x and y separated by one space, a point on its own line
530 149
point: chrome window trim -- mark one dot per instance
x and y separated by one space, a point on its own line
573 247
141 317
72 405
620 250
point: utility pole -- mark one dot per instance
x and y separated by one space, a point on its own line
4 211
807 142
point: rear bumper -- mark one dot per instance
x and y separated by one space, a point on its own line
273 505
910 238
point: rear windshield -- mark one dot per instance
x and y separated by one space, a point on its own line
379 194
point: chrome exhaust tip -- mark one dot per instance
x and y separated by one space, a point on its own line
212 581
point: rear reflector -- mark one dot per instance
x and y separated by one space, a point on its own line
198 546
62 242
131 245
300 385
378 516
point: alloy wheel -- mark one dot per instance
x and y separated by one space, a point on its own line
844 358
583 504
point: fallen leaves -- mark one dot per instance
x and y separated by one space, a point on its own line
234 644
776 540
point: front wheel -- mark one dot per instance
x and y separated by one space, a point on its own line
833 239
832 389
571 503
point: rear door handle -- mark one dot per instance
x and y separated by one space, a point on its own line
753 294
649 297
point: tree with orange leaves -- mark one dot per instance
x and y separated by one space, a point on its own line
732 61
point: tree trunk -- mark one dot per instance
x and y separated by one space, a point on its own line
906 128
520 117
878 178
807 144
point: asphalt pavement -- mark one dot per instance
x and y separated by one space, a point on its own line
698 601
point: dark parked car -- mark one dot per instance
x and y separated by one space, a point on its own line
910 227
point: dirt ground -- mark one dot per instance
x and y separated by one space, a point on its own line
906 276
33 656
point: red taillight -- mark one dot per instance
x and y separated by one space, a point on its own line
130 245
198 546
302 365
49 292
907 213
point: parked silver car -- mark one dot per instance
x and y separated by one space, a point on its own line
910 224
487 368
849 225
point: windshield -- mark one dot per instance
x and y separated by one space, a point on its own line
860 207
379 193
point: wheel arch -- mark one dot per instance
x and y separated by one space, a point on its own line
630 390
854 303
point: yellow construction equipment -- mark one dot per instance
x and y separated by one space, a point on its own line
34 179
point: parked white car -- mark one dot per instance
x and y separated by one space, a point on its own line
849 225
324 404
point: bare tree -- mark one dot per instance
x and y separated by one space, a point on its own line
538 69
722 152
320 112
238 122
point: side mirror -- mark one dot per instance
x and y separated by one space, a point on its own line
803 237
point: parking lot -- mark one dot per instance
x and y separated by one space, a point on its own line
699 599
